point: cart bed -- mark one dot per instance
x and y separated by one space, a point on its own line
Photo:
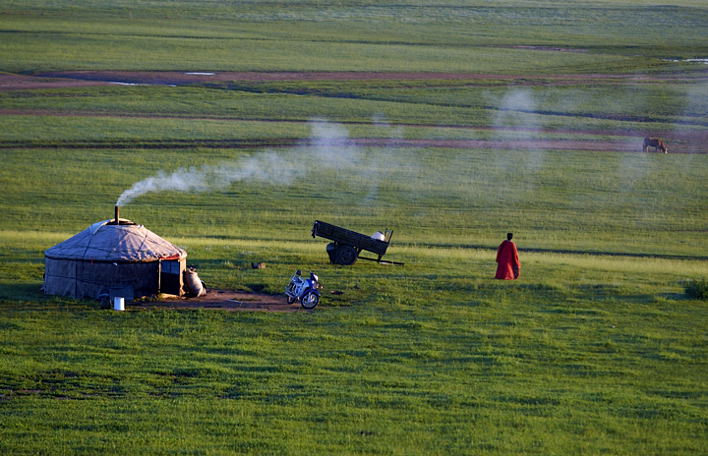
347 237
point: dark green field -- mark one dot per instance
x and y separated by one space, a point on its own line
451 123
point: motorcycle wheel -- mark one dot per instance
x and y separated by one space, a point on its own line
309 300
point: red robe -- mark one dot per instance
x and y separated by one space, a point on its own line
508 265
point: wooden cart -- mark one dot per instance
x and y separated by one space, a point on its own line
347 244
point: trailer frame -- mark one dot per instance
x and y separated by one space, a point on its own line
346 244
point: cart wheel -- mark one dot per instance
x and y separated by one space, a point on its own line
309 300
345 254
331 248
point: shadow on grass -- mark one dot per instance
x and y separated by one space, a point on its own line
675 296
256 287
31 297
21 291
562 251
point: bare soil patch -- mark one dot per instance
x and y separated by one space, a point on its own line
62 79
10 81
196 77
547 48
230 300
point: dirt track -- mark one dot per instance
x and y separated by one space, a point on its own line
85 78
691 142
225 300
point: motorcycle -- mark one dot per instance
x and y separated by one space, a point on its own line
303 290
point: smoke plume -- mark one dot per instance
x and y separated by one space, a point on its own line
329 146
517 127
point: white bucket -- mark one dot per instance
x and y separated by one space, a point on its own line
118 303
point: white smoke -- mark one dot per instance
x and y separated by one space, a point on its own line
517 128
329 146
695 106
393 133
515 110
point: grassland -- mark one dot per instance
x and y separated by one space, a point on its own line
597 349
361 36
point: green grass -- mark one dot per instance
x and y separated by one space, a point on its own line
625 203
665 105
599 348
583 355
360 36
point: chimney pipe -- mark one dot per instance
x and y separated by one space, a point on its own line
117 222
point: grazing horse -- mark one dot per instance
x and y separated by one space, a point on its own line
656 143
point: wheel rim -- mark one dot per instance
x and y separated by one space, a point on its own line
309 300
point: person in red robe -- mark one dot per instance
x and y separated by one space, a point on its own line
508 265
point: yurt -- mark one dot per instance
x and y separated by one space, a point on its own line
114 258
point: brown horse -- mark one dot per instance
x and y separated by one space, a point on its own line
656 143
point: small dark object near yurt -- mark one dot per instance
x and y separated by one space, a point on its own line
114 258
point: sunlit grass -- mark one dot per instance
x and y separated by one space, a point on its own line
358 36
598 348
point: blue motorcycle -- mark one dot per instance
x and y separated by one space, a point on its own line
303 290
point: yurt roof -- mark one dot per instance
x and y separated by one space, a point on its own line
108 241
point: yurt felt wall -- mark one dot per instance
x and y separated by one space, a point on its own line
85 279
110 259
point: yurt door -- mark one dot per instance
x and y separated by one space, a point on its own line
170 277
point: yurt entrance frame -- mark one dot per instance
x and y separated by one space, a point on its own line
170 276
